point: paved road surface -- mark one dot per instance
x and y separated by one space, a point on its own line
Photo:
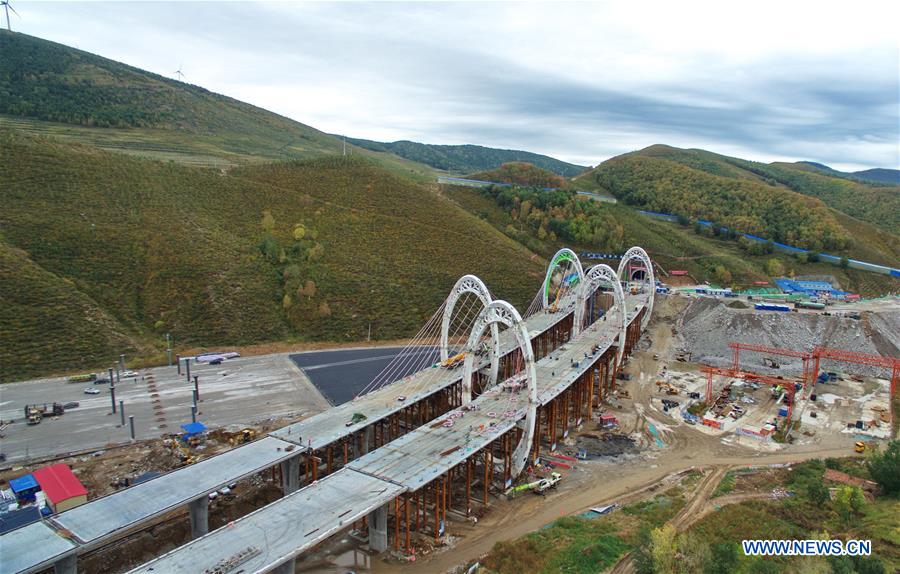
340 375
239 391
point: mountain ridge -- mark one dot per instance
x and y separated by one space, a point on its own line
468 158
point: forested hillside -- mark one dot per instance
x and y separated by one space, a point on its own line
521 173
463 159
878 204
545 221
752 207
122 250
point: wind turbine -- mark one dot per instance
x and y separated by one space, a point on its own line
177 72
7 7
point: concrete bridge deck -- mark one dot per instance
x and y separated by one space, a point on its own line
407 464
106 518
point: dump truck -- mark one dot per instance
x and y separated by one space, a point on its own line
86 378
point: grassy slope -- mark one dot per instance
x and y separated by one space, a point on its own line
877 204
52 89
153 247
576 544
462 159
677 247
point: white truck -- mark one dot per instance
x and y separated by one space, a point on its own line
547 483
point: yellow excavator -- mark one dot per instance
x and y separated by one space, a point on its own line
454 361
555 306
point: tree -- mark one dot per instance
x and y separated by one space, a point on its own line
774 268
845 262
641 557
268 221
817 492
695 553
884 467
724 559
848 502
662 549
722 274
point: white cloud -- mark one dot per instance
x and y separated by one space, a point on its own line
581 81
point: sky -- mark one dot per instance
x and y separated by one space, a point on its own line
768 81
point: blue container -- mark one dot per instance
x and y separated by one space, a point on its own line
783 412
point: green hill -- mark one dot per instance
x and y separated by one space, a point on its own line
877 204
104 253
555 219
462 159
520 173
872 176
51 89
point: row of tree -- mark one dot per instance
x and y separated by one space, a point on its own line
559 215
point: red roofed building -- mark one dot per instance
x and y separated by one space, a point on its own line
62 488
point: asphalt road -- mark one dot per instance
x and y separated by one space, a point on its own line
239 391
341 374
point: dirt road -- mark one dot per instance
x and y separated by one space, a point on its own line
685 448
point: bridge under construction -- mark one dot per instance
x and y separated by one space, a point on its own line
392 462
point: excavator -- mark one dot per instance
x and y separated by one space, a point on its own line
454 361
554 307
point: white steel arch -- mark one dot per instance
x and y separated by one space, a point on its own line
596 275
474 285
502 313
564 254
637 253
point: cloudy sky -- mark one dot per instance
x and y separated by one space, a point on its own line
579 81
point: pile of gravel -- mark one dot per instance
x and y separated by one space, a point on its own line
708 325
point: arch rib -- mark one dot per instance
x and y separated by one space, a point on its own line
594 277
502 313
637 253
564 254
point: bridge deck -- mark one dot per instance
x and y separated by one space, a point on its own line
130 506
99 519
406 464
278 532
329 426
420 456
34 545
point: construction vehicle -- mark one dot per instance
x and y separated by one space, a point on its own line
87 378
32 415
862 446
454 361
35 413
554 307
546 484
244 436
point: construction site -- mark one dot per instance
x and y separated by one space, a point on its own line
604 389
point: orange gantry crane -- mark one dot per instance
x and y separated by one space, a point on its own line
812 360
